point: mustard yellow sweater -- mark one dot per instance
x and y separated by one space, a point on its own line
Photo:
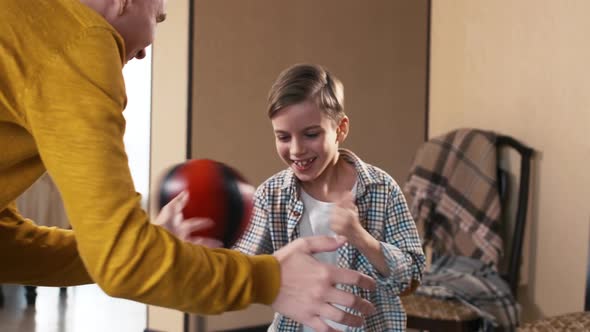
61 101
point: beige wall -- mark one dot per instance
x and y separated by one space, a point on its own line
522 68
376 47
168 122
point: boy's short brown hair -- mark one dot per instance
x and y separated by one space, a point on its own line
306 81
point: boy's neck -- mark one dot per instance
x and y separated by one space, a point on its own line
337 179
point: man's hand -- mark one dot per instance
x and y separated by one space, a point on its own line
172 219
308 287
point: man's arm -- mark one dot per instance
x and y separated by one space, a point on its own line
28 253
74 110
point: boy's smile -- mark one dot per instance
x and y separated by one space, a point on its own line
303 165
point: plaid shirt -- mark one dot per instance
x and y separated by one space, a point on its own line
382 211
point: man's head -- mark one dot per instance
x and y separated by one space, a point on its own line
135 20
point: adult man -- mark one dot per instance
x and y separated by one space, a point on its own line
61 100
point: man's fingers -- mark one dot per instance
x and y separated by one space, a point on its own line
180 201
180 198
346 299
206 242
317 244
339 316
189 226
350 277
175 205
318 325
309 288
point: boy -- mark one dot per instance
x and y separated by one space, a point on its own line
330 191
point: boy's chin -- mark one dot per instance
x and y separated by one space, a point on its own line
305 177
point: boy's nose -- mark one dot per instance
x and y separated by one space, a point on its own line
296 148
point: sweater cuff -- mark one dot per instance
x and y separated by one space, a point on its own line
266 278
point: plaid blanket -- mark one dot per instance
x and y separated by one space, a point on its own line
453 192
476 285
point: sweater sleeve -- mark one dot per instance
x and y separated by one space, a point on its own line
27 252
75 115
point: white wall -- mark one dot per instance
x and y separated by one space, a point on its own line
138 77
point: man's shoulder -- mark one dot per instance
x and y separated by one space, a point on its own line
47 26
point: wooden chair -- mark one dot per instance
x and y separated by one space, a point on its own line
425 313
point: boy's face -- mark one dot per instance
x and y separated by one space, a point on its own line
137 24
306 139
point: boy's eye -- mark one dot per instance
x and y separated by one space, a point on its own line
312 135
282 138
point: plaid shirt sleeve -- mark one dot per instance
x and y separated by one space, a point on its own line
401 247
256 239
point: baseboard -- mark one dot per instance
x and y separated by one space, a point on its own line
530 310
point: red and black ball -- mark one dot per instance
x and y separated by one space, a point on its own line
216 191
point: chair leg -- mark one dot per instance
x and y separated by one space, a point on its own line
31 294
1 297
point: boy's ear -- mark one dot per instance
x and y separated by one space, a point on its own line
342 129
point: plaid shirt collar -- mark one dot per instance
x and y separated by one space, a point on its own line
365 178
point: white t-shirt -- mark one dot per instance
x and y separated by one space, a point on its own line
316 221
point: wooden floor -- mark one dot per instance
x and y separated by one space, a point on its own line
80 309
